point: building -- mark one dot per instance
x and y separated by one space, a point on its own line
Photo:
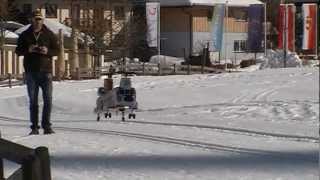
107 22
107 18
186 28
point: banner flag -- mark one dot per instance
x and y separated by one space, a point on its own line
309 13
217 27
255 27
286 26
152 13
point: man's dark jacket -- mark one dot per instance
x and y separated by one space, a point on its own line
35 62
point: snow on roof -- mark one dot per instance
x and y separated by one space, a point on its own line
11 24
11 35
208 2
53 25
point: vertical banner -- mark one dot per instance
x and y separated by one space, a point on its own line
217 27
286 27
291 14
255 27
309 13
281 25
152 13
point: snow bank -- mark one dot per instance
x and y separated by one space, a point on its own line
274 59
165 60
207 2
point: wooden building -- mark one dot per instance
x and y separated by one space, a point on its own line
186 28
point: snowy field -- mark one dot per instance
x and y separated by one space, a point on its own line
260 125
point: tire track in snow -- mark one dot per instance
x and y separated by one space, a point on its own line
188 143
227 130
238 131
245 103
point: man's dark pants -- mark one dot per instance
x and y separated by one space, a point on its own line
34 81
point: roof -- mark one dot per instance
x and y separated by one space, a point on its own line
11 25
10 35
208 2
53 25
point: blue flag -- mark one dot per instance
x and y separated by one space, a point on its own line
255 27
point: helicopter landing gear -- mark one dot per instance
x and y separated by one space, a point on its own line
107 115
122 110
132 115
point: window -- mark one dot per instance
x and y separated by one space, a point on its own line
239 45
119 12
51 10
75 14
238 13
27 9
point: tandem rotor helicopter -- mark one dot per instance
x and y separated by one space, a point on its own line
116 99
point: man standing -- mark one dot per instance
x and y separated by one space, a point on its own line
38 44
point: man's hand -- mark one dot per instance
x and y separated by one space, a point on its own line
44 50
31 48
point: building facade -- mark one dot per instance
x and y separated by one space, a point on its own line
185 31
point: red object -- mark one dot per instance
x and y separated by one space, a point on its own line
309 12
286 26
281 26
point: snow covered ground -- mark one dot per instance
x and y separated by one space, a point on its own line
248 126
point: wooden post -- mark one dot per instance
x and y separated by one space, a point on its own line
1 62
174 69
159 69
204 58
43 154
1 170
6 62
24 78
61 62
2 55
189 69
18 62
14 63
74 60
77 74
87 59
143 68
31 168
10 80
1 167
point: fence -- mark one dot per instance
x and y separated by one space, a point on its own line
10 80
10 62
147 69
35 163
11 67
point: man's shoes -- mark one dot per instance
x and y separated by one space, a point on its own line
48 131
34 132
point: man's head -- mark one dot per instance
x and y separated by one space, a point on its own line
37 19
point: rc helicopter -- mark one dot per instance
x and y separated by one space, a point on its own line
119 99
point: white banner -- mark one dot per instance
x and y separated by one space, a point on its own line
152 11
309 13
